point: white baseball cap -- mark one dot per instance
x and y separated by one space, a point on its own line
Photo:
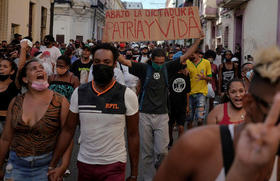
29 43
234 59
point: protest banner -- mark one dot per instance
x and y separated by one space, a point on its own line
151 24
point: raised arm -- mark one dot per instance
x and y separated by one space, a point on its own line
22 60
192 49
124 61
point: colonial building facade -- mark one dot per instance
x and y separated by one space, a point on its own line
81 19
246 24
25 17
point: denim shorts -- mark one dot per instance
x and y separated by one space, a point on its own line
32 168
197 107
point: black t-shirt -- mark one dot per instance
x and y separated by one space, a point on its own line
6 97
78 66
156 94
179 86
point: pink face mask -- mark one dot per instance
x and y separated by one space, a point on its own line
40 85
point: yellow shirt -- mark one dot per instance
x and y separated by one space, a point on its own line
203 67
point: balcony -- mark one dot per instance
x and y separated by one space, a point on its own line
98 4
63 1
209 9
230 3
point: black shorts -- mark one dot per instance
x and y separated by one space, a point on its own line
177 116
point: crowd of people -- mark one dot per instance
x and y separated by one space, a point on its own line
147 90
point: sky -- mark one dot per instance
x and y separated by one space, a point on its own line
150 4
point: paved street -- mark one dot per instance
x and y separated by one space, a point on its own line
73 166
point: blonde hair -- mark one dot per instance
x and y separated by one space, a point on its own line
268 63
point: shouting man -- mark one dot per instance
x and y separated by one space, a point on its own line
104 108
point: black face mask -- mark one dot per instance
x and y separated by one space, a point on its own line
4 77
102 74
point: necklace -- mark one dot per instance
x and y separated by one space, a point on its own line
242 117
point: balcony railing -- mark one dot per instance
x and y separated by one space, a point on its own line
209 9
230 3
210 12
63 1
100 4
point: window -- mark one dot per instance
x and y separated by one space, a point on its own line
226 37
30 23
60 38
80 38
14 30
43 22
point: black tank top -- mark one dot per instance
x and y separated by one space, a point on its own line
227 76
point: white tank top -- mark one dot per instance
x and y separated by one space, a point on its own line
222 176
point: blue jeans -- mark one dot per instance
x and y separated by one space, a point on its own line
197 107
32 168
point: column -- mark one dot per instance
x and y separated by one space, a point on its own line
278 25
4 20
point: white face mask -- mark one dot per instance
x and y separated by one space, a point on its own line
249 74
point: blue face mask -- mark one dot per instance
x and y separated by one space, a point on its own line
156 66
249 74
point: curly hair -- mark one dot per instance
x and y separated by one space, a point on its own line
268 64
107 46
226 98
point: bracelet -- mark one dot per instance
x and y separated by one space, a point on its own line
133 177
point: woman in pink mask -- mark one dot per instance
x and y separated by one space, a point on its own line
33 124
64 81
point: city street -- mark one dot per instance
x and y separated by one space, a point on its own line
128 75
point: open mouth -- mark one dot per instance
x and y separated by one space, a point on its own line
40 77
238 101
